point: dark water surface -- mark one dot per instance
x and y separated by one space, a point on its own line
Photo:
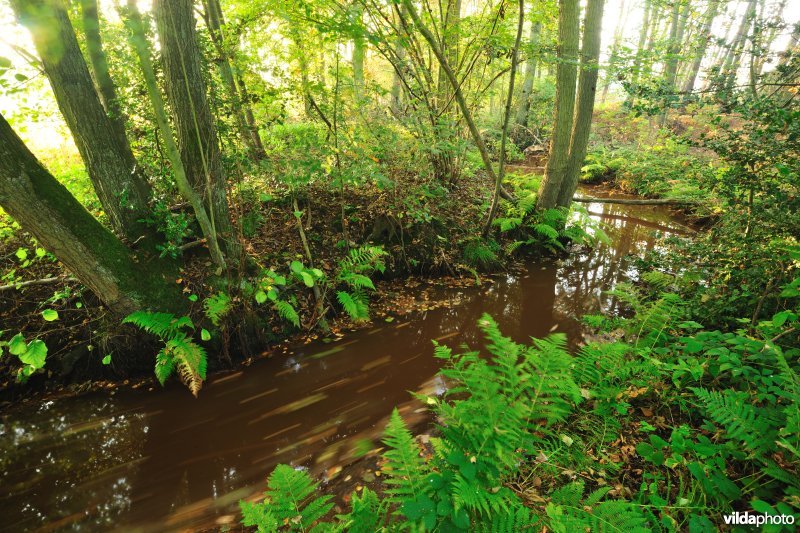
163 460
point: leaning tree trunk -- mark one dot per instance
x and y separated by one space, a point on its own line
566 75
524 106
97 57
587 90
118 181
216 26
194 123
43 207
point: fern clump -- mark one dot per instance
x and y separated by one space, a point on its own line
289 501
180 353
354 273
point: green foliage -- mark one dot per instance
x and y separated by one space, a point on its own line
289 501
179 353
569 511
32 354
354 273
217 306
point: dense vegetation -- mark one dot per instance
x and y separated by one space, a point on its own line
230 173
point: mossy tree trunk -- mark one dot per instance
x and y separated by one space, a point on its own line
119 182
216 27
42 206
566 76
194 123
357 58
584 107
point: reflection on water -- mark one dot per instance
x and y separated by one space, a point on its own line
165 460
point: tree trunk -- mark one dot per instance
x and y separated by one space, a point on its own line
566 75
118 181
105 85
397 80
358 54
139 43
506 120
43 207
702 46
584 107
530 75
637 61
450 44
730 65
216 25
622 21
194 123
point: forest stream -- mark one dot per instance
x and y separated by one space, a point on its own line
142 460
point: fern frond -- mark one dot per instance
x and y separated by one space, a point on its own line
546 230
741 420
289 498
162 325
189 359
407 471
260 516
217 306
354 305
516 518
287 312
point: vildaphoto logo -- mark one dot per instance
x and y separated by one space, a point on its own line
757 519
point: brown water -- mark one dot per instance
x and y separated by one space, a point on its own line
164 460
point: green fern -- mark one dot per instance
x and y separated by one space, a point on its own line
354 272
217 306
355 304
368 515
179 353
568 512
287 312
288 500
406 469
741 420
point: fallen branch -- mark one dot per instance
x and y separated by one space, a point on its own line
23 284
634 201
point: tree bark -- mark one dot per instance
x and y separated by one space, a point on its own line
118 181
357 58
566 75
194 123
524 106
138 41
106 89
43 207
702 46
216 28
584 107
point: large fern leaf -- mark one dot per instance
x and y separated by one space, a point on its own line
407 471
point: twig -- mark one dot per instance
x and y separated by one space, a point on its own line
23 284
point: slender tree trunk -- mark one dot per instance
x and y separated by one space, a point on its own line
622 21
730 65
584 107
194 123
702 46
506 120
358 54
397 81
458 93
139 43
105 85
216 28
637 61
524 107
677 24
118 181
450 45
43 207
566 75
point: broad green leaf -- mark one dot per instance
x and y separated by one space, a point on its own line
205 335
261 297
107 359
17 345
35 354
50 315
307 279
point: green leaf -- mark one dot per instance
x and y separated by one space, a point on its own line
205 335
5 62
50 315
192 297
307 278
107 359
21 254
261 297
35 354
296 266
17 345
